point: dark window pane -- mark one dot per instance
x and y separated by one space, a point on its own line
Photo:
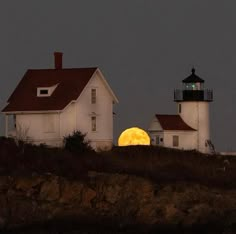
43 91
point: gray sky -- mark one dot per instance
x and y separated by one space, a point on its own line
143 47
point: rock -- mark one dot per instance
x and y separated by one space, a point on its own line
173 215
145 193
198 214
125 198
27 183
71 192
50 190
147 214
87 196
137 188
112 193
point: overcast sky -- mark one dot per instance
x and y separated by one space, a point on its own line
143 47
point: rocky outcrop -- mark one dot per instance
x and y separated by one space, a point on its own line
124 198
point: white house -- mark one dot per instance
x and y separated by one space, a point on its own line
190 129
49 104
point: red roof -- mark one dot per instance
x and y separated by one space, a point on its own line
71 83
173 122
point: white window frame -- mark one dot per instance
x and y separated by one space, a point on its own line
43 94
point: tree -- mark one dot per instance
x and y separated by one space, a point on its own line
77 143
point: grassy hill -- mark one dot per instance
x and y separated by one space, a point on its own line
158 164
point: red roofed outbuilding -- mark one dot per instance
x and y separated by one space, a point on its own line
165 130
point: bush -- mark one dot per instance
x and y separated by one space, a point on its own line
77 143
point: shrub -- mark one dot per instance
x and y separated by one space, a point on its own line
77 143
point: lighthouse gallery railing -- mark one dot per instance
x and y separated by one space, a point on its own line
193 95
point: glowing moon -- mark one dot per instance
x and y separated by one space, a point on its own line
133 136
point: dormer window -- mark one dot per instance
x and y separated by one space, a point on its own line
45 91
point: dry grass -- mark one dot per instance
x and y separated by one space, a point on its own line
161 165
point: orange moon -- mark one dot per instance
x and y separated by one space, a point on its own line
133 136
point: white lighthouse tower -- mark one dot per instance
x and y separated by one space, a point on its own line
193 107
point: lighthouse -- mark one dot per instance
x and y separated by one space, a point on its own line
193 107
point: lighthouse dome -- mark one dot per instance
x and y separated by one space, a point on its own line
193 78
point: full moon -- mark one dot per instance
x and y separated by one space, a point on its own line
133 136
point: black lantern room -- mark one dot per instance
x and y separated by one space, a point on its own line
193 90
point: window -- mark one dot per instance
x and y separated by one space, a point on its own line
43 91
180 108
93 123
175 141
46 91
93 96
14 121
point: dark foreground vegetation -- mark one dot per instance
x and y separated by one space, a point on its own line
161 165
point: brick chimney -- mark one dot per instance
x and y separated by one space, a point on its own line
58 60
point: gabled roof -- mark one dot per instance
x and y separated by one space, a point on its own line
70 84
173 122
193 78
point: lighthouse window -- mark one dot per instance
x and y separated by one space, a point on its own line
180 108
175 141
192 86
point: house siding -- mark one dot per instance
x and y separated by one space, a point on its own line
187 139
68 120
34 128
155 125
102 109
155 130
196 115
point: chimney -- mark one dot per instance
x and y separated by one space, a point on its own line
58 60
